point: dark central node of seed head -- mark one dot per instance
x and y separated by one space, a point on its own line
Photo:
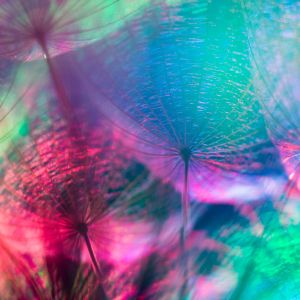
185 154
39 35
82 228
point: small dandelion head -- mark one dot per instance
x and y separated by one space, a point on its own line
30 29
34 29
64 180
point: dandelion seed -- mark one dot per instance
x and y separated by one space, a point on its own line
40 28
67 187
45 28
177 84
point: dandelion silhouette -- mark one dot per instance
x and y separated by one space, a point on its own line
177 84
39 28
43 29
67 186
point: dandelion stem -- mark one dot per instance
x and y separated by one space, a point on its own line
185 200
95 263
60 90
92 255
185 224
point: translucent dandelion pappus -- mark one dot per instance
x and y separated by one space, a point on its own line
273 30
178 96
179 88
68 186
177 84
34 29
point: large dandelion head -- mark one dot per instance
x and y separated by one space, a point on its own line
180 88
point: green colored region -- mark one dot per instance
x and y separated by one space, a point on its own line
17 95
268 267
24 128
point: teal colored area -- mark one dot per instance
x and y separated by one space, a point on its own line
183 76
267 266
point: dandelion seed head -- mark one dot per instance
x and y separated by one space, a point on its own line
34 29
67 185
173 93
